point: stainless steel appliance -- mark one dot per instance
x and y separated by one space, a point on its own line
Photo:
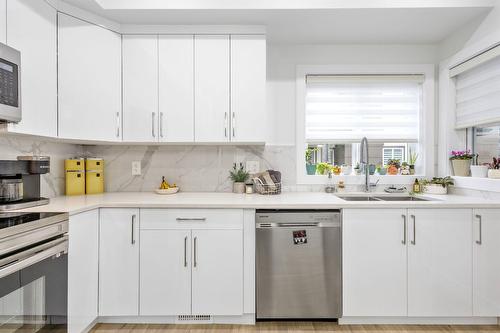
299 264
10 84
20 182
33 272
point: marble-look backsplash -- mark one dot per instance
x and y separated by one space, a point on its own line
193 168
52 184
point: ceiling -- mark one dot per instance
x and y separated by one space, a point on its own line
400 24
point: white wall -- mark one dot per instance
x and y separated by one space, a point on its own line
281 73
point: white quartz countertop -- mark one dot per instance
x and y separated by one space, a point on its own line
291 200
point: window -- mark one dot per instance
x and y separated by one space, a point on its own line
393 153
485 142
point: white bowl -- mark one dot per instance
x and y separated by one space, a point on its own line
171 190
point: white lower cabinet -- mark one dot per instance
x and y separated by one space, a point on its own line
415 263
440 263
165 278
486 243
119 262
83 257
191 262
374 262
217 272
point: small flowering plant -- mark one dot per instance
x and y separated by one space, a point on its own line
461 155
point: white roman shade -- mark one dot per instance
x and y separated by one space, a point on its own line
478 95
346 108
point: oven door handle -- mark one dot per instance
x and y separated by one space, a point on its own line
35 258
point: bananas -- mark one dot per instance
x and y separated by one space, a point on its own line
165 185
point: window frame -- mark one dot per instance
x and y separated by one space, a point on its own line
427 122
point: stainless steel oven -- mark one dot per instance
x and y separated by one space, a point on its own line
33 272
10 84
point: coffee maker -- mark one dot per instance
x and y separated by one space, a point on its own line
20 182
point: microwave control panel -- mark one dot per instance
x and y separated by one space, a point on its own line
9 83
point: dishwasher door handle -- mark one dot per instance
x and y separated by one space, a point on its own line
297 225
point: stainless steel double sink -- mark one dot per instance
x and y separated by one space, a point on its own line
381 198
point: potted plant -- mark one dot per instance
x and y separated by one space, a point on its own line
310 166
371 169
357 169
405 169
381 170
346 169
461 161
239 176
393 167
323 168
412 161
437 185
479 171
494 169
336 170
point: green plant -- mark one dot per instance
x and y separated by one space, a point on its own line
461 155
323 168
443 181
404 164
238 174
394 163
309 155
413 158
495 164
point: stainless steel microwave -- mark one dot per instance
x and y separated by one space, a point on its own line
10 84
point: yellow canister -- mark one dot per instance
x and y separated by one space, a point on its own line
94 164
94 181
75 176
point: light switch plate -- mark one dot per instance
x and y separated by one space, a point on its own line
252 167
136 168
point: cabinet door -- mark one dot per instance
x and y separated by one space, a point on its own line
3 21
176 79
217 282
89 81
140 88
119 262
165 286
83 263
248 88
211 88
374 262
486 264
32 29
440 263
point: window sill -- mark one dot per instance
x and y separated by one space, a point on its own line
480 184
358 179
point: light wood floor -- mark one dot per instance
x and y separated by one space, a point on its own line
289 327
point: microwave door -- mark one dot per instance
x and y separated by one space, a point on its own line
10 84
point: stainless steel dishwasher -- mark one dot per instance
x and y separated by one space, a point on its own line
299 264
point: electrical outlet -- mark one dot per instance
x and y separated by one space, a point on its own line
252 167
136 168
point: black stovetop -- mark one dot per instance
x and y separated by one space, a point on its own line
13 219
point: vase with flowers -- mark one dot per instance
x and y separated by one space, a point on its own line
461 161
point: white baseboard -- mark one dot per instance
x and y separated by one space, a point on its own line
419 320
245 319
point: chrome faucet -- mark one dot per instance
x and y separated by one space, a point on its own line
363 159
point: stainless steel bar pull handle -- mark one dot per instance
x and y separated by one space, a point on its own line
233 124
153 114
413 242
195 246
480 240
118 124
133 230
180 219
225 124
404 229
185 251
161 124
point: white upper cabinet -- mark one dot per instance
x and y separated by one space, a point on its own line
486 264
89 81
176 88
374 265
211 88
440 263
248 88
140 88
32 29
3 21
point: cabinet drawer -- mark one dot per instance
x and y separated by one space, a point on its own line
191 219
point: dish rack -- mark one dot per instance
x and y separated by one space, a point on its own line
266 189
